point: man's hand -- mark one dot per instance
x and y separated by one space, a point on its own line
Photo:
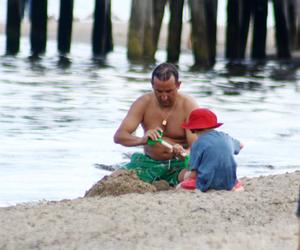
153 134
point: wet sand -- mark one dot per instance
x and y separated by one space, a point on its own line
261 217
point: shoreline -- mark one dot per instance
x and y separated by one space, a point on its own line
261 217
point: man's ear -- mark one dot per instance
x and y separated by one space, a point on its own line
178 84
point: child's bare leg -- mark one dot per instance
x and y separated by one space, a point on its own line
183 173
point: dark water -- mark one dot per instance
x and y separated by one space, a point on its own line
57 122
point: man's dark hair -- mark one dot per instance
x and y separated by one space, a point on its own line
164 71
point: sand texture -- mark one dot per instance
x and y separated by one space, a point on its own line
125 183
261 217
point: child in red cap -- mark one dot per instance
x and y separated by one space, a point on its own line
212 160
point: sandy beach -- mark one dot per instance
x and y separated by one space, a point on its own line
261 217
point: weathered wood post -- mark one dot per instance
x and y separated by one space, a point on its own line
141 44
292 14
13 24
102 29
204 28
175 28
238 19
65 26
297 24
38 33
282 29
109 38
158 14
260 13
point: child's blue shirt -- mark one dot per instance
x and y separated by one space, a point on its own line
212 155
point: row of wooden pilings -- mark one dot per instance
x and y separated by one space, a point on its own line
144 29
102 42
145 25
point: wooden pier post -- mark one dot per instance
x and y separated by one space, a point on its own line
297 20
13 25
204 28
292 14
260 13
158 14
141 44
175 28
102 29
109 38
65 26
232 30
38 33
282 29
238 20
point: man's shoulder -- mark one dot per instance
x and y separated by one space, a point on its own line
188 101
144 99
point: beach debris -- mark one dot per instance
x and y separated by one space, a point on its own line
114 167
106 167
123 182
162 185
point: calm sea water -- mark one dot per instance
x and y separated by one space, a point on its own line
57 122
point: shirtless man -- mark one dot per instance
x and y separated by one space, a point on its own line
164 109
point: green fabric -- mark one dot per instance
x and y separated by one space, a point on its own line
150 170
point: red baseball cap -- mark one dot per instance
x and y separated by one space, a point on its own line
201 118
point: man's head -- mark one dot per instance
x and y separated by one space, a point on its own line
165 84
164 72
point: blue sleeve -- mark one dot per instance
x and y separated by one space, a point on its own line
236 146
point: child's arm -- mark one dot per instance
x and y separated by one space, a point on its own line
237 145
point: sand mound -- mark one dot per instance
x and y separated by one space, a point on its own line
124 182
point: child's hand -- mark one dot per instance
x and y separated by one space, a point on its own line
178 150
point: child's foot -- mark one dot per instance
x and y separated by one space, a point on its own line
237 187
187 184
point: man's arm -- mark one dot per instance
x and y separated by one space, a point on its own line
190 105
124 134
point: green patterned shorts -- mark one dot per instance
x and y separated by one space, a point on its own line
150 170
